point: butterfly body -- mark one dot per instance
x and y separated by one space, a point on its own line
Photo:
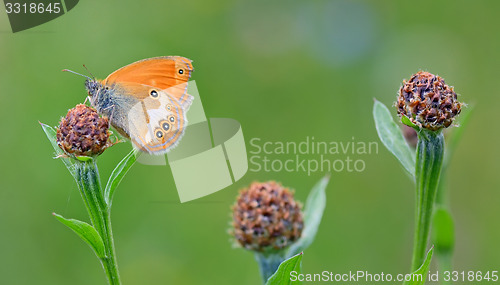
146 101
113 102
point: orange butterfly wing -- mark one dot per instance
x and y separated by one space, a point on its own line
164 72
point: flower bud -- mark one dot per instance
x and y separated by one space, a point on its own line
82 132
428 102
266 217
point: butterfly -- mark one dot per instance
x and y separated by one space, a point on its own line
146 101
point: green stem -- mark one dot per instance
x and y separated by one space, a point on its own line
430 150
109 263
268 264
87 176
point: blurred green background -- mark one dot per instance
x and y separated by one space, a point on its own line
284 71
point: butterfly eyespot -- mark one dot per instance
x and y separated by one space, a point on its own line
154 94
165 126
159 134
169 107
181 71
172 119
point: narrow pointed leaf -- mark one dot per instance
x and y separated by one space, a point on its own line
422 271
313 212
85 232
405 120
282 276
392 138
117 175
83 158
52 136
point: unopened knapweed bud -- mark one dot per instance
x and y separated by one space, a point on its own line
266 217
428 102
82 132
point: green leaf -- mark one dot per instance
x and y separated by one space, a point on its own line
422 271
52 136
443 231
117 175
83 158
392 138
85 232
405 120
282 276
313 212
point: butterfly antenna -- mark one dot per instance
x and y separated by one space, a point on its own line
89 71
77 73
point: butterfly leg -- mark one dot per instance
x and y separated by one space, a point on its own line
117 139
105 110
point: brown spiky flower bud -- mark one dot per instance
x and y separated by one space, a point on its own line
266 217
428 102
82 132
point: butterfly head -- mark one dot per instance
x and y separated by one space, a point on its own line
100 96
93 87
